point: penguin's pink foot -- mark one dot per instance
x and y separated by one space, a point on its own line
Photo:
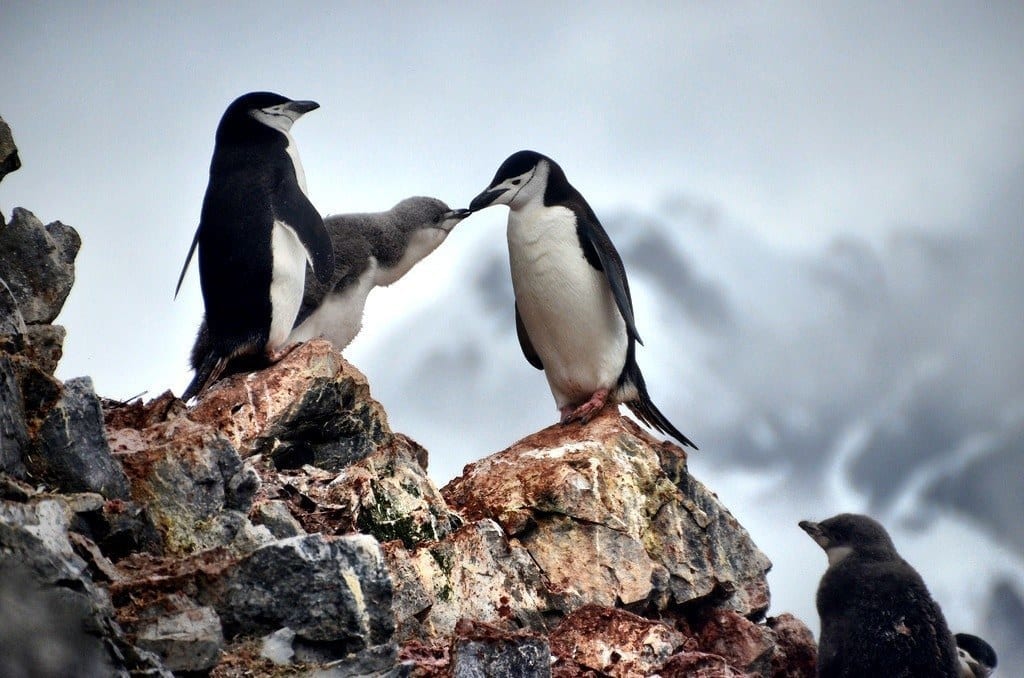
584 412
282 353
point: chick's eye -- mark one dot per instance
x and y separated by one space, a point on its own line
437 219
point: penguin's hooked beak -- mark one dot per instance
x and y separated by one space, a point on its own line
814 531
485 199
452 217
303 107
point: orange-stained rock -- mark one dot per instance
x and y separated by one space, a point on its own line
611 515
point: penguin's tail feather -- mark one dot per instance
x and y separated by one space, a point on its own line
645 410
207 371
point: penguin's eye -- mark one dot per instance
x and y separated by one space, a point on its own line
437 218
515 182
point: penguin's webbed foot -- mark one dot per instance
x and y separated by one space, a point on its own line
584 412
282 353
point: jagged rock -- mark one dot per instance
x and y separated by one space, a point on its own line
11 321
41 345
34 538
277 646
744 644
388 495
483 651
189 640
38 264
70 448
278 519
193 483
614 642
373 480
14 440
474 573
610 495
334 593
119 527
703 665
9 160
44 636
795 654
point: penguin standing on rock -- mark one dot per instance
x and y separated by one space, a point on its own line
574 314
877 616
257 231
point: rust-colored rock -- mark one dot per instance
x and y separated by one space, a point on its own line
610 495
614 642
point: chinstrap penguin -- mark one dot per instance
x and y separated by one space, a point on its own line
573 311
370 250
977 658
877 616
257 230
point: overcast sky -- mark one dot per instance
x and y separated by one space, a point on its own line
802 122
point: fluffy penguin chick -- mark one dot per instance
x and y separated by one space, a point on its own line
370 250
573 310
877 617
257 231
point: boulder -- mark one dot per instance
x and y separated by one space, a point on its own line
38 264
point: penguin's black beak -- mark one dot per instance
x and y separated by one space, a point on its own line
458 214
303 107
813 529
485 199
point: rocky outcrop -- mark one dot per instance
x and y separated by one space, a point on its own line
279 526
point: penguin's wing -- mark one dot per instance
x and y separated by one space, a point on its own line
188 259
524 342
351 256
602 255
293 208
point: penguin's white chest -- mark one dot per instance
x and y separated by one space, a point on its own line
566 305
288 277
340 315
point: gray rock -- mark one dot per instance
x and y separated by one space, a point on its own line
11 321
43 635
13 433
278 519
194 486
330 427
335 592
277 646
9 160
190 640
57 612
38 264
71 450
502 657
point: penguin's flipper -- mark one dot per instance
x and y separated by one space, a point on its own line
596 244
294 209
645 410
188 260
524 342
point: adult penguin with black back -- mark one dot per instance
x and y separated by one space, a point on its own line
877 616
574 313
257 231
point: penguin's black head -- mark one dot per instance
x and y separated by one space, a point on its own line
977 658
523 175
848 533
265 108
